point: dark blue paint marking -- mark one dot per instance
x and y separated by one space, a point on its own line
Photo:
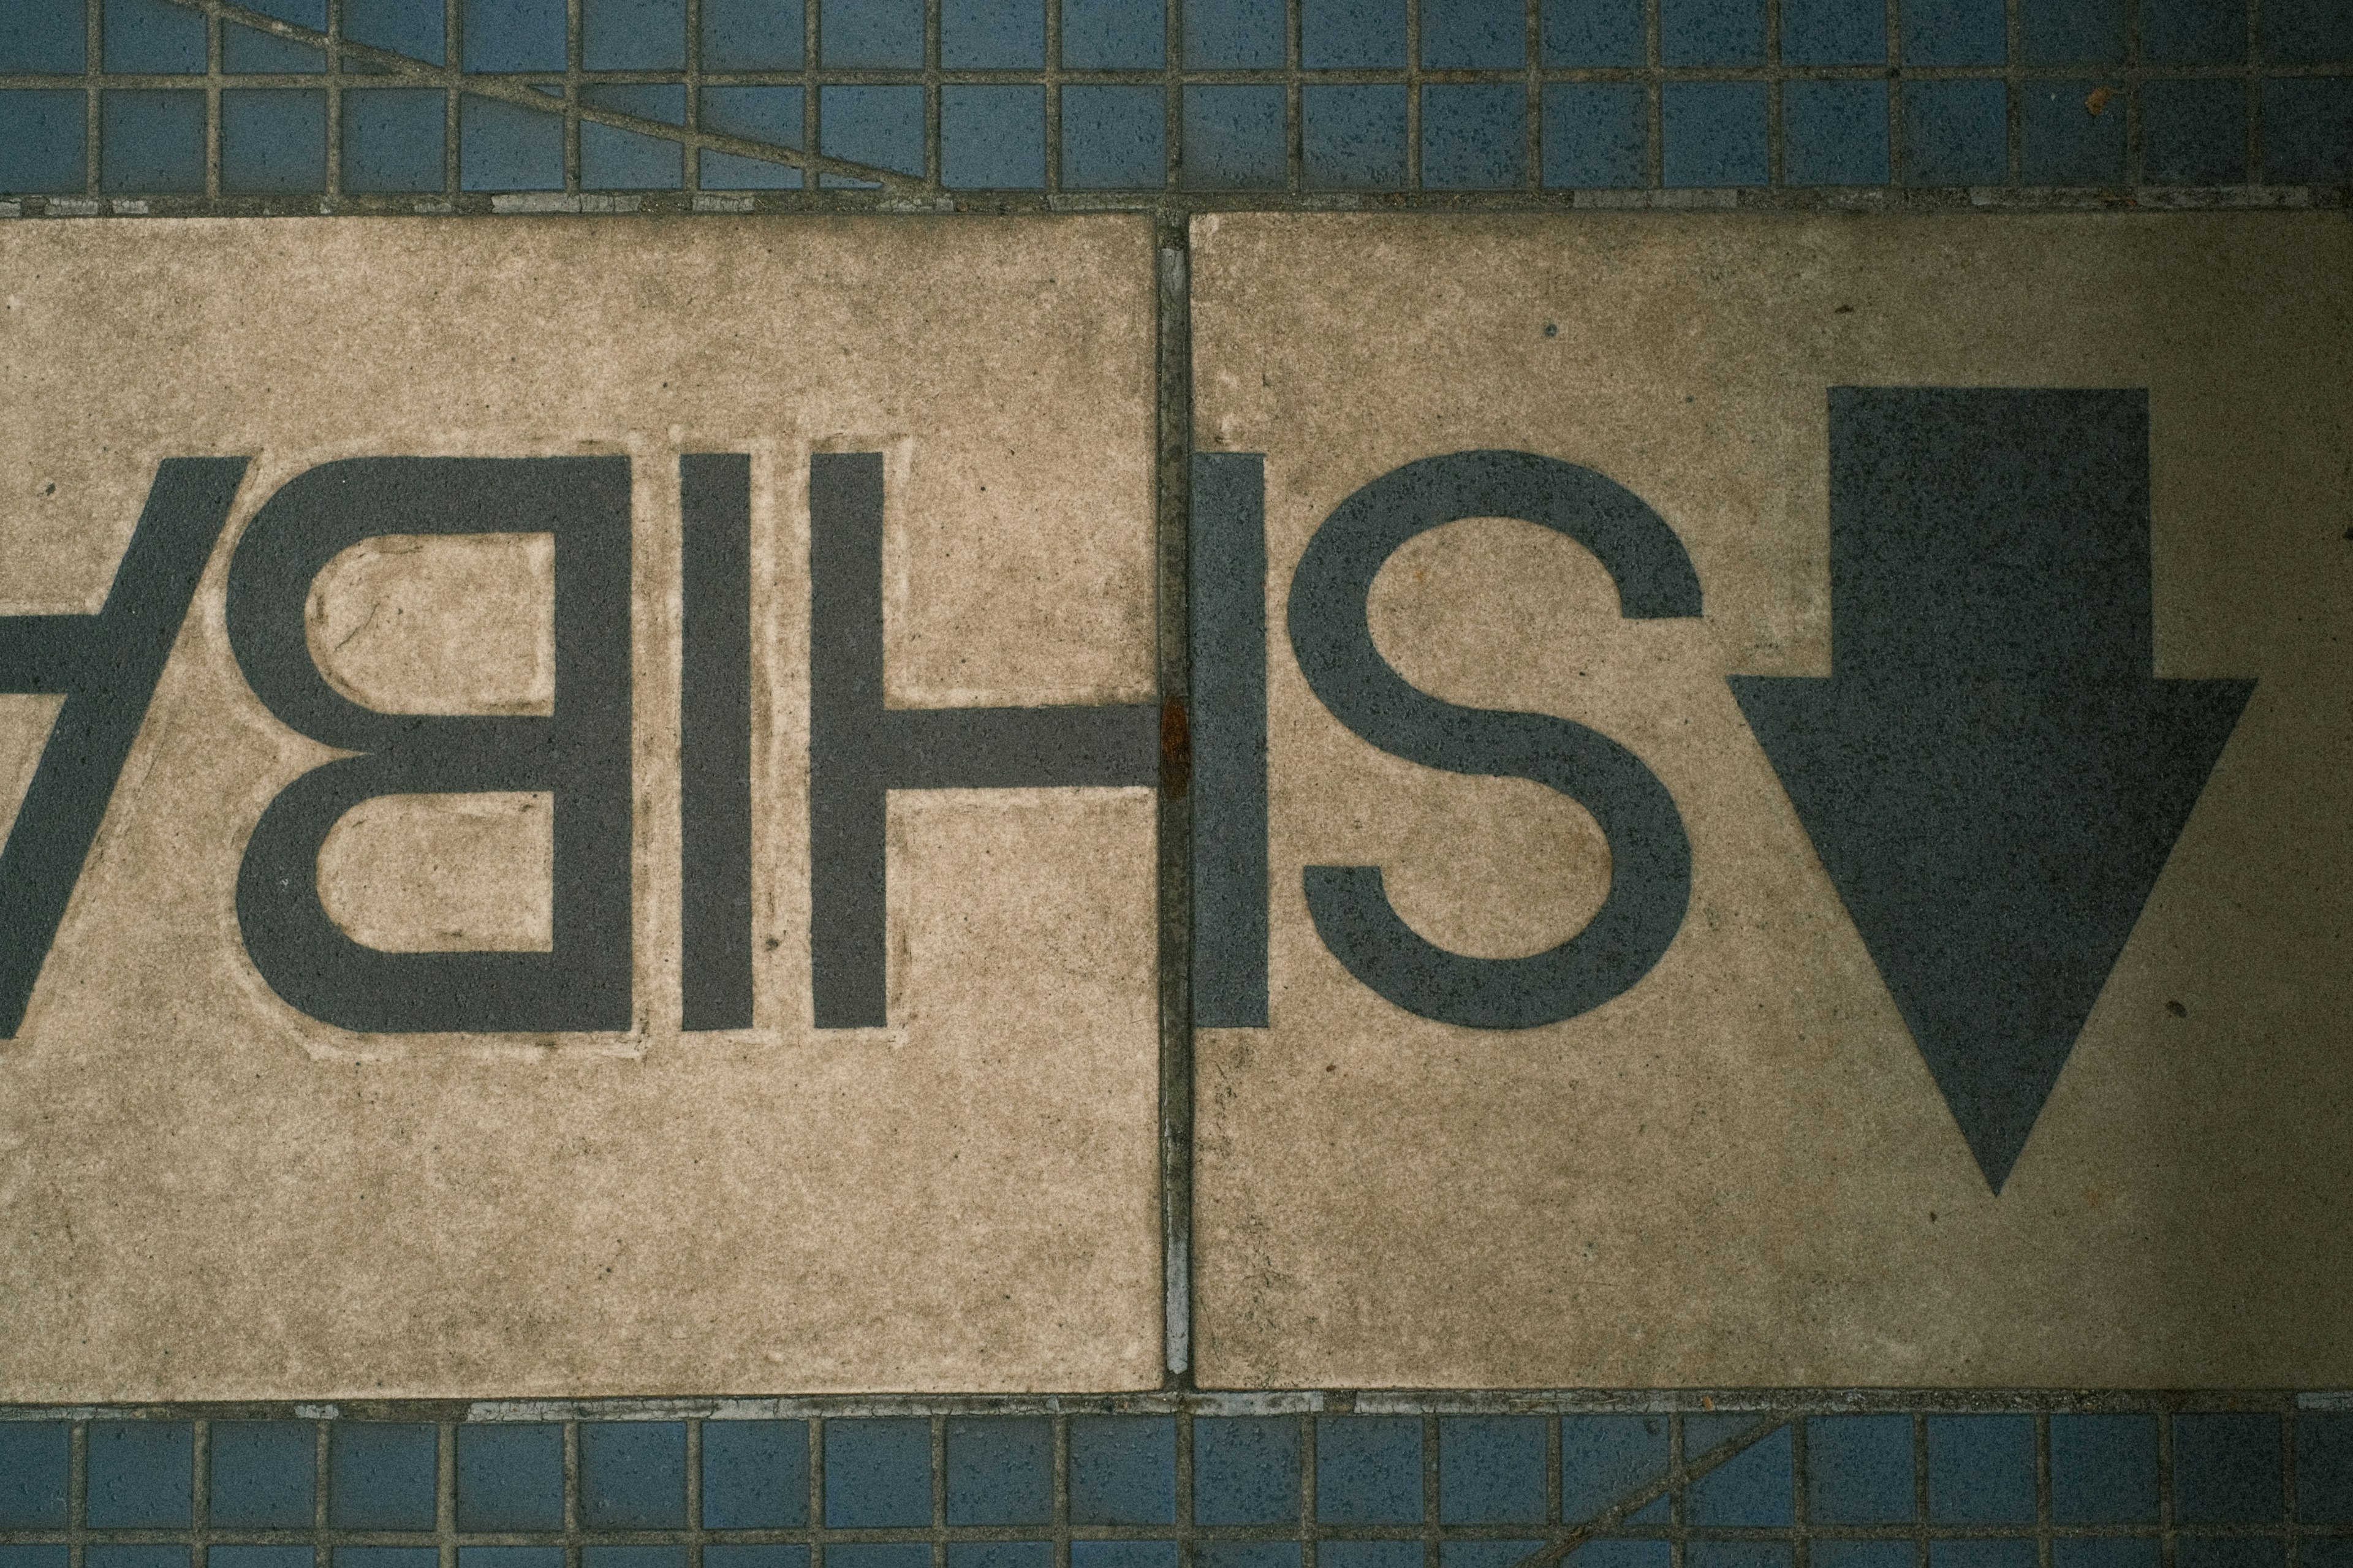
1991 776
1229 741
715 741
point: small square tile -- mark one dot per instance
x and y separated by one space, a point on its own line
1491 1469
1714 132
1000 1470
410 28
770 114
1955 33
394 139
1596 134
871 34
2011 1553
152 36
515 36
264 1473
993 138
1245 1470
1712 32
751 35
597 1556
1835 133
1233 34
1115 138
1001 1554
1123 1469
387 1557
1605 1458
754 1473
666 102
763 1556
882 127
217 1556
2072 134
1332 1553
632 1473
381 1474
33 1455
510 1477
992 35
1474 35
1861 1553
2105 1551
1704 1553
156 1556
1123 1554
633 34
42 142
1368 1468
1752 1488
505 147
273 139
613 159
1459 1553
1114 35
42 38
2104 1468
2324 1470
1475 137
1342 34
2193 32
2308 129
1608 1552
1246 1554
1234 138
1981 1469
509 1557
2072 32
2228 1551
1956 132
2308 32
1594 33
1833 32
2325 1552
2226 1468
1858 1468
879 1554
877 1471
245 51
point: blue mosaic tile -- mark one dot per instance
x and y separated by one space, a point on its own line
509 1557
2104 1468
1475 137
2105 1551
882 127
1703 1554
515 36
1123 1554
1833 32
2325 1552
158 1555
612 159
877 1471
1825 1553
1342 34
395 139
505 147
751 35
1455 1554
1981 1469
1491 1469
1712 133
33 1455
37 1555
2009 1554
42 147
664 101
2308 129
1752 1488
264 1473
993 138
1332 1553
597 1556
1245 1470
1605 1458
1835 133
1593 33
1001 1554
152 36
381 1474
1368 1468
1233 34
1234 138
1956 132
1000 1470
1114 35
754 1473
1123 1469
1353 137
1114 138
1858 1467
747 1555
1246 1554
2226 1469
1955 33
2228 1551
633 34
2064 141
992 35
273 141
150 142
387 1557
42 38
632 1473
770 114
1712 32
244 52
873 34
2324 1470
2072 32
510 1477
1474 35
2192 32
879 1554
2307 31
259 1557
410 28
1609 1553
1595 135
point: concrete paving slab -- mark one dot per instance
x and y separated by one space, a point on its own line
1975 1017
419 1104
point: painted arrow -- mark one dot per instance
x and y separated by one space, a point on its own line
1992 774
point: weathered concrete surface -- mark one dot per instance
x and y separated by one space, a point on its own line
1740 1172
